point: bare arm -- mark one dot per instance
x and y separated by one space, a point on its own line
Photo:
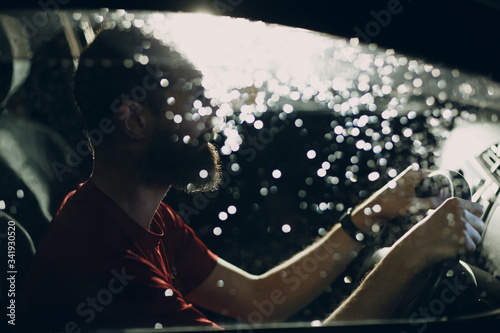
452 230
282 291
285 289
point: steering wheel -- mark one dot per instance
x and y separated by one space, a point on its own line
449 288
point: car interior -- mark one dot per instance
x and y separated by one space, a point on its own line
313 124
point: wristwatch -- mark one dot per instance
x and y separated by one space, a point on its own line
352 230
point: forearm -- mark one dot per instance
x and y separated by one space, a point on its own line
453 229
282 291
381 291
290 286
305 276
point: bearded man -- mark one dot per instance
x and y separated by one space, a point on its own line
116 255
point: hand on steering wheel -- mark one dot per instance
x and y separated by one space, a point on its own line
451 231
396 199
438 240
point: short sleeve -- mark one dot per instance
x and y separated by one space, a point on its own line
140 291
193 260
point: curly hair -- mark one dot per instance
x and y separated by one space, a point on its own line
122 65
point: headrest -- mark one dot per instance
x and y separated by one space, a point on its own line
15 57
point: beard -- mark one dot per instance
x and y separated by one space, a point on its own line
174 164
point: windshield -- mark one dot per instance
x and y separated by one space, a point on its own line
306 125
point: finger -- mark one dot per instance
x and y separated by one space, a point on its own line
411 175
426 203
425 172
469 245
415 178
475 222
473 207
473 233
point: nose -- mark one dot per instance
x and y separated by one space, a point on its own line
208 114
208 121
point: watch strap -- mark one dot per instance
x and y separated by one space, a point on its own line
352 230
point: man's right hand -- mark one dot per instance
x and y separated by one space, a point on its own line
452 230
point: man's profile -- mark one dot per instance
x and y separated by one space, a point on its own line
116 255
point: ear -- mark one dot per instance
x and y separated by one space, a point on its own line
132 119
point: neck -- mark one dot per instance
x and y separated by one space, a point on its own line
124 186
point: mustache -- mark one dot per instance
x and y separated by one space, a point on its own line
178 164
209 135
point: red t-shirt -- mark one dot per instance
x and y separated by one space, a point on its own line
96 267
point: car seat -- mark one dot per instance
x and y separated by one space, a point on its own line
31 189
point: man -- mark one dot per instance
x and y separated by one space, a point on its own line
117 256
